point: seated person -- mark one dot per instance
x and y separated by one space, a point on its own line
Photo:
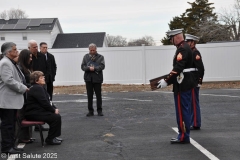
40 108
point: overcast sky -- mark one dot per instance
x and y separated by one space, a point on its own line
129 18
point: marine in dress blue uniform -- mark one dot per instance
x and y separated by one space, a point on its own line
199 73
183 82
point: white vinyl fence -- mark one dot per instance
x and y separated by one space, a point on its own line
136 65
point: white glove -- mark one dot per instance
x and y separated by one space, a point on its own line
162 84
199 85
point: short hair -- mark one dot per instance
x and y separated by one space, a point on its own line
2 48
92 45
34 77
31 42
6 47
42 43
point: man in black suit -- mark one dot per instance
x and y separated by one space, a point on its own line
39 62
51 65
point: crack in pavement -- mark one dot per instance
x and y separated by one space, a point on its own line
114 146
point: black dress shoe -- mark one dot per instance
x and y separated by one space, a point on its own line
100 114
59 139
11 151
90 114
18 149
43 129
53 141
177 141
194 128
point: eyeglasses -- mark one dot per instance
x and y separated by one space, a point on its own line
92 50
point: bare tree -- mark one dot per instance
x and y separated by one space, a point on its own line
210 31
147 40
3 14
13 14
116 41
231 17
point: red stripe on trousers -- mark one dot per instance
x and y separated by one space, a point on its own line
194 108
180 117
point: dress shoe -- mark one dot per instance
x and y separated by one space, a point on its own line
33 139
177 141
18 149
26 141
59 139
43 129
90 114
53 141
100 114
11 151
194 128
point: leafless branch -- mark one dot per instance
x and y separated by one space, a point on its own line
13 14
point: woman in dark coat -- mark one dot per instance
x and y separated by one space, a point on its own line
40 108
24 64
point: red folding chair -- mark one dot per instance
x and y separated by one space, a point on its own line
26 123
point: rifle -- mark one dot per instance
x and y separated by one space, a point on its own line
154 82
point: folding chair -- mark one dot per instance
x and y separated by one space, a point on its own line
26 123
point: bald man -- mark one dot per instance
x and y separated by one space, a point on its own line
39 62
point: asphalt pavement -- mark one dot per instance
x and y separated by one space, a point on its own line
139 126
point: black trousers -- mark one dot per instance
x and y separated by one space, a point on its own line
25 133
50 89
8 118
97 88
53 120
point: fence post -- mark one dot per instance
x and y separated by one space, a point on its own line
143 64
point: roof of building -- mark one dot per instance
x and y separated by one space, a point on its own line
79 40
29 24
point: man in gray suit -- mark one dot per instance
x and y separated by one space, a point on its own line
11 96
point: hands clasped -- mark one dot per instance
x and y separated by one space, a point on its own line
91 68
162 84
56 111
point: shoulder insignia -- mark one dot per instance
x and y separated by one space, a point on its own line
179 57
198 57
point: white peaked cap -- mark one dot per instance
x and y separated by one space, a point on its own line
174 32
191 37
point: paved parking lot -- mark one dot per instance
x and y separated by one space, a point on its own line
139 126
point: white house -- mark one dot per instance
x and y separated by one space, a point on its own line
48 30
20 31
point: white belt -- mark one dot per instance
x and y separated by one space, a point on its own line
190 69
